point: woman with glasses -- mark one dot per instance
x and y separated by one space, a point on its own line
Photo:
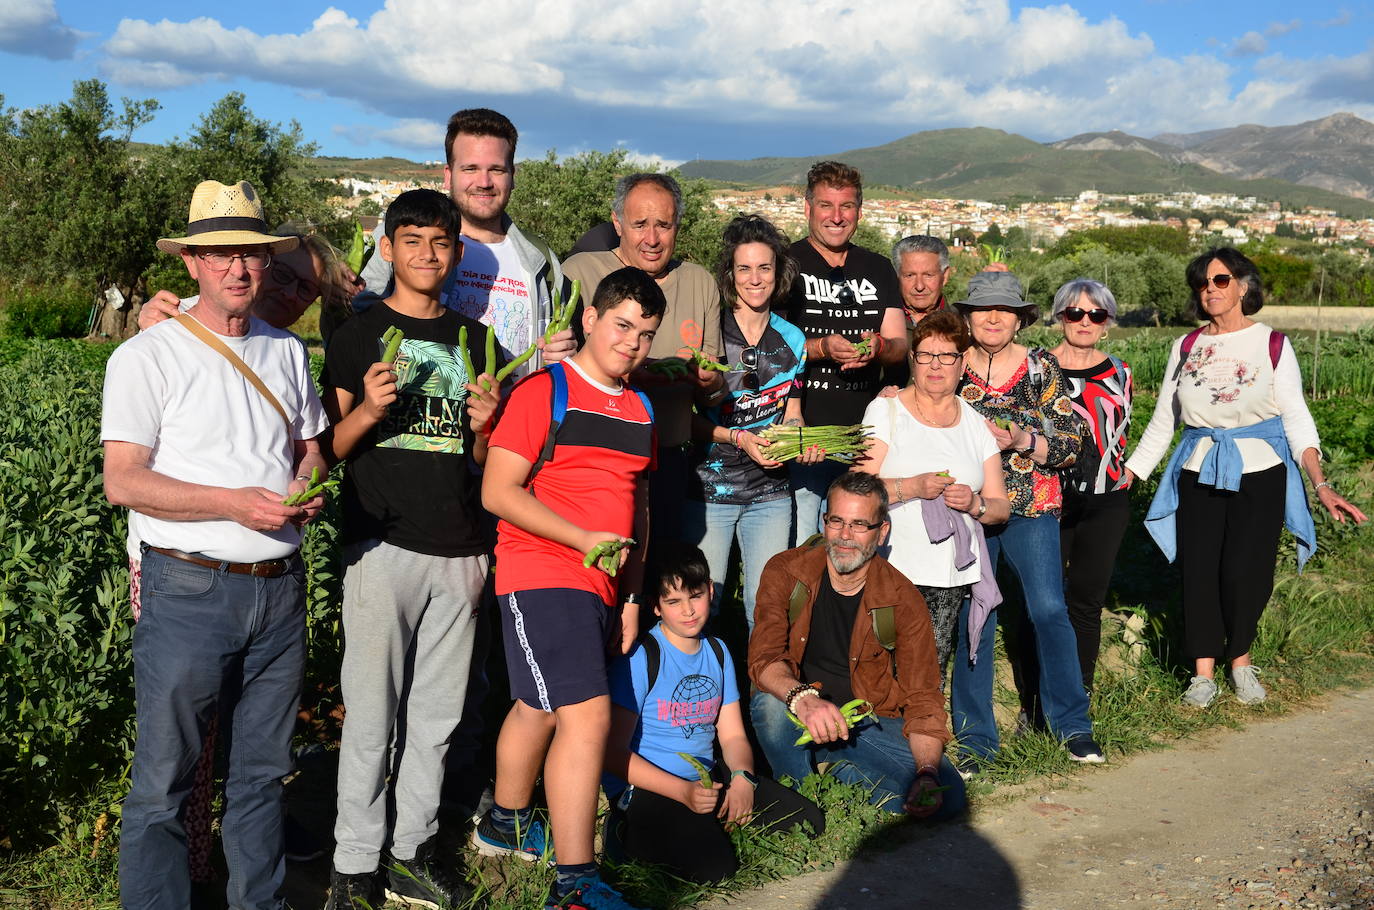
1022 394
943 473
1097 503
737 491
1233 482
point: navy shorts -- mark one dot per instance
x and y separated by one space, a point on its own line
555 646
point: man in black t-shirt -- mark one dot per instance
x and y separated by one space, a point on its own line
844 296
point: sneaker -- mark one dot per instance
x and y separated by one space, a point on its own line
588 894
301 845
1201 692
1247 687
969 766
1082 747
425 881
531 843
354 892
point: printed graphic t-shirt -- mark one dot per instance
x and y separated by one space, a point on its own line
488 285
679 714
723 472
603 447
409 482
840 301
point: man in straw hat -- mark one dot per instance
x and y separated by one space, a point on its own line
222 431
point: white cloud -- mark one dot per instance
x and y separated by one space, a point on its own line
1279 29
1250 44
154 74
422 135
1044 71
33 28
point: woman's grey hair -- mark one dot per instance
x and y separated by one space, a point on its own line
630 181
920 243
1097 292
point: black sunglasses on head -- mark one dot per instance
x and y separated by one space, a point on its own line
1076 314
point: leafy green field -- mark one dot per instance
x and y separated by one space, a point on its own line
66 710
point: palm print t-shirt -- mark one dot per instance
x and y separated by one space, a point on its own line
679 713
761 379
409 482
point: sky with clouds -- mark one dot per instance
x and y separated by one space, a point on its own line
701 78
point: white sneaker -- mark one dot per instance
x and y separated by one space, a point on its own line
1248 688
1201 692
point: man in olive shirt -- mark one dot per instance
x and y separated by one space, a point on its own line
646 212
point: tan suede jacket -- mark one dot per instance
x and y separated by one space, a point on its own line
913 695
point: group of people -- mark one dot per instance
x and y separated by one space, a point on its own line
590 491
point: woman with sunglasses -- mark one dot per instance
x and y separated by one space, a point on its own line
1232 483
737 491
1097 504
1022 394
941 466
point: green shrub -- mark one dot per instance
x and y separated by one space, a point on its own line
46 313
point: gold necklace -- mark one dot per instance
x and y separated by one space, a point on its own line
936 424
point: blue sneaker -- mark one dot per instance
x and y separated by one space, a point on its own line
530 843
589 893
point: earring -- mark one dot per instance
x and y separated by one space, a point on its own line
1105 334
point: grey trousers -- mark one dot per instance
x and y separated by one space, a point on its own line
409 622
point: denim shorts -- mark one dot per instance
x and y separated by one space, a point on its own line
555 646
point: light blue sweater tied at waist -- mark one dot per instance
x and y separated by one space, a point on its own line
1222 468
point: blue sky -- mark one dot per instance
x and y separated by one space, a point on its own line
707 78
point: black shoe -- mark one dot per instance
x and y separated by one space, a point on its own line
354 892
425 881
301 845
1082 747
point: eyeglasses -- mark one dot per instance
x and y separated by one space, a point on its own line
836 523
948 358
220 262
1076 314
283 275
749 359
1221 280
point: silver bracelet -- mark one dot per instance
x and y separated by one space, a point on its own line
1324 483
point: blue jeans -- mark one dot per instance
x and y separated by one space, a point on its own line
208 642
809 485
876 755
762 528
1031 545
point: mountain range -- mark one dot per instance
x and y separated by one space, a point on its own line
1327 163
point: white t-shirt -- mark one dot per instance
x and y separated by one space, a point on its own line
491 287
205 423
1228 381
914 448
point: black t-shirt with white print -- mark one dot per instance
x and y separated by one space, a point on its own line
847 300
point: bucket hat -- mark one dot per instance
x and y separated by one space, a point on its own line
993 289
226 215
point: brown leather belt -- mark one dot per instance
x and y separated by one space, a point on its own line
268 568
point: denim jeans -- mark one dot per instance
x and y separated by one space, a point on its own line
809 485
762 528
1031 546
876 755
208 642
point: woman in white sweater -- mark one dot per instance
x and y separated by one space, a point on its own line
1233 482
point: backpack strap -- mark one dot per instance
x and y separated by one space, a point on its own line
1275 347
885 627
652 658
1186 348
558 408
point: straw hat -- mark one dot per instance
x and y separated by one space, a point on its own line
226 216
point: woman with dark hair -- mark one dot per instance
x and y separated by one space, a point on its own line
1232 483
943 473
1097 505
1022 394
737 491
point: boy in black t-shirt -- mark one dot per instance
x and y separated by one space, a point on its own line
415 558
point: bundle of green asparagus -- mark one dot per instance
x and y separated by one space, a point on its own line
842 444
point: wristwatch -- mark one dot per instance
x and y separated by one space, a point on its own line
982 507
747 775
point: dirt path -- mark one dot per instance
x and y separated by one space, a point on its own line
1279 814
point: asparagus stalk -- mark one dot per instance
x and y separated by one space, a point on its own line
842 444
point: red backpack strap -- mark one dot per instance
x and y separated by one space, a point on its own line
1186 348
1275 347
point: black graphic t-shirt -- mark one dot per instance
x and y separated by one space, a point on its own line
761 379
840 301
409 482
826 658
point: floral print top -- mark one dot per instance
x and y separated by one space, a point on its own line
1039 402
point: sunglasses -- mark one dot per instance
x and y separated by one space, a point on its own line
1222 280
844 294
749 359
1076 314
